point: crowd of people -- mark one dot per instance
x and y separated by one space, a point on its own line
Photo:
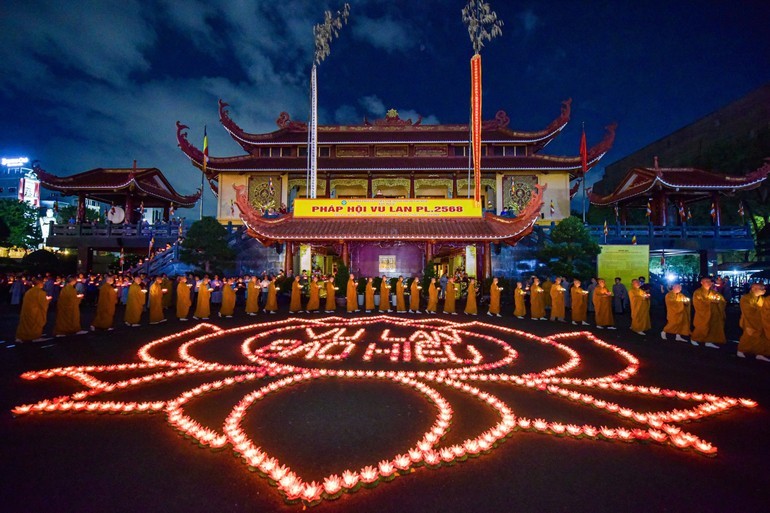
156 298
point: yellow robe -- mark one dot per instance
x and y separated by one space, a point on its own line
167 297
677 314
296 297
558 310
105 307
384 305
766 325
603 307
183 301
203 305
449 298
494 299
470 303
271 305
432 298
331 302
156 303
369 297
351 296
228 301
547 284
314 303
134 304
537 302
640 310
414 295
753 339
709 320
34 312
400 302
67 312
579 298
519 306
252 296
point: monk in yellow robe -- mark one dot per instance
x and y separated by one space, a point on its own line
558 310
203 304
314 303
183 301
105 305
432 297
271 303
450 297
537 301
369 296
400 301
603 306
494 299
754 339
519 305
351 295
547 284
227 308
640 308
68 311
167 296
579 298
414 295
331 300
709 320
384 305
470 302
253 291
135 303
678 308
156 301
34 312
296 296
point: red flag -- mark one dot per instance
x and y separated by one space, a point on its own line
740 210
682 214
584 153
476 124
606 229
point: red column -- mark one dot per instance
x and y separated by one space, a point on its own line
487 270
411 185
659 208
369 193
328 185
345 255
129 209
288 262
454 185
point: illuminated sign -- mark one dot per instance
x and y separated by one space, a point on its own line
351 207
15 162
624 261
29 191
437 360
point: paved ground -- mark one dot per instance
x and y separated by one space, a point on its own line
91 462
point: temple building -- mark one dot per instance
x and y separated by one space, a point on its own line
393 160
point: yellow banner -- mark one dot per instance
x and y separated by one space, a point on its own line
428 207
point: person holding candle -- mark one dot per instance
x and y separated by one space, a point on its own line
68 311
203 305
34 312
369 296
183 301
228 298
414 295
579 299
135 302
166 284
450 296
620 296
384 305
470 303
537 301
271 304
558 310
296 296
400 302
603 306
253 289
494 299
105 306
156 301
351 295
754 338
331 303
709 321
314 302
432 297
519 304
677 314
640 308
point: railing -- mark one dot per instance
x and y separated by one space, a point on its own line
670 232
151 265
160 230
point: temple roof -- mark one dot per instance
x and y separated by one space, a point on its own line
489 228
640 181
110 184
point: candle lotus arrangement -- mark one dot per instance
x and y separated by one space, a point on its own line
421 357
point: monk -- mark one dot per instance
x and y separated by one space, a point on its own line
677 314
369 296
183 301
450 297
203 305
754 339
156 301
167 296
414 295
400 302
537 301
296 296
384 305
105 305
271 304
558 310
640 308
709 321
253 289
470 303
331 303
494 299
68 311
579 300
351 295
135 302
314 303
432 297
603 306
34 312
519 305
227 308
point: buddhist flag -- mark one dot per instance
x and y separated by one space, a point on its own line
476 124
606 229
122 257
56 207
584 152
682 214
633 240
270 187
205 149
689 214
649 209
713 211
149 249
663 260
617 213
553 209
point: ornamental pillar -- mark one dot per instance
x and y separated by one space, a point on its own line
346 255
659 208
428 255
328 185
166 213
454 185
288 262
129 209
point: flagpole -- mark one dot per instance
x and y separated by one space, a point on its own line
203 174
582 159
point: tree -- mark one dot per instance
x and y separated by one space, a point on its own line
571 250
20 224
205 245
67 212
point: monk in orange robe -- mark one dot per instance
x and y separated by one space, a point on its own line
470 303
579 298
640 308
432 297
384 305
203 304
331 300
105 305
135 303
678 308
709 320
314 303
547 284
351 295
227 308
156 301
183 301
450 297
519 305
754 339
271 303
68 311
34 312
603 306
369 296
537 301
253 290
400 302
296 296
414 297
558 310
494 299
167 296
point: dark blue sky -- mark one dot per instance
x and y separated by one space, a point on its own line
99 83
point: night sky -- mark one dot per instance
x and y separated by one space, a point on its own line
90 84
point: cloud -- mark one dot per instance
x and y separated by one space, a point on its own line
346 115
529 21
385 33
372 104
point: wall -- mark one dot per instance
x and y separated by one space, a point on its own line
365 259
